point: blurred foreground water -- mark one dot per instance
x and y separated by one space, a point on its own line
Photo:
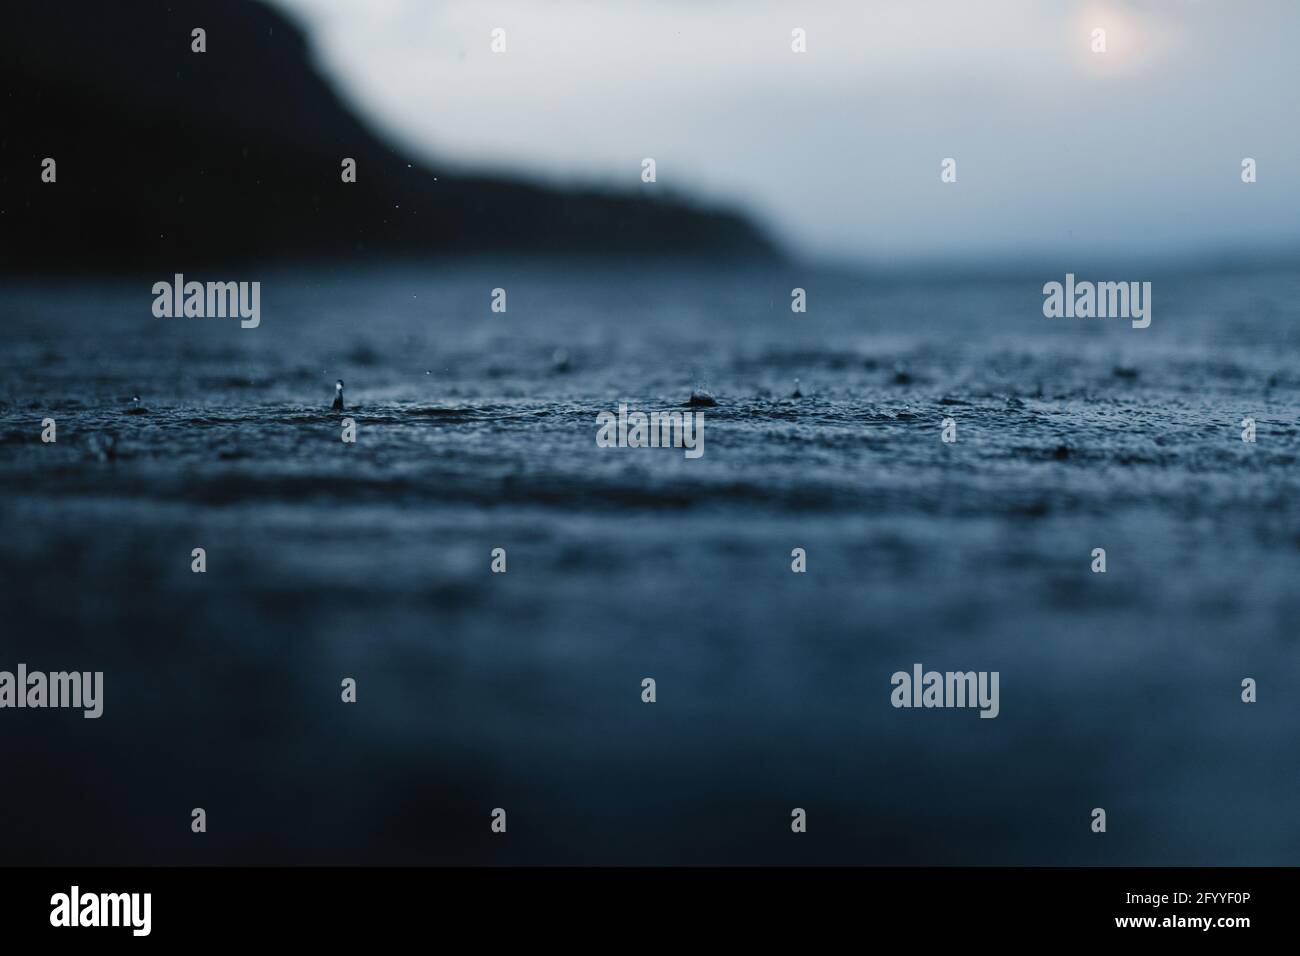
522 690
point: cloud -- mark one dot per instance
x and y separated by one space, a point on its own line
839 148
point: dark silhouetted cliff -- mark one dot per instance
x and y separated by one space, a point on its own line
170 159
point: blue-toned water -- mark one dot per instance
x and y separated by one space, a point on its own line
522 690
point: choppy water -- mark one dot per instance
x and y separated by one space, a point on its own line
477 430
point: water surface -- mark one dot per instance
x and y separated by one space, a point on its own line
477 690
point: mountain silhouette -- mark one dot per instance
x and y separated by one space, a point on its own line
170 159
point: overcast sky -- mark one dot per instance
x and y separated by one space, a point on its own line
837 150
